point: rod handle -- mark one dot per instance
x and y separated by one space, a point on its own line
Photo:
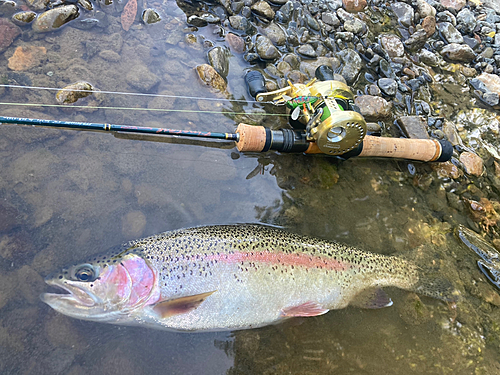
251 138
404 148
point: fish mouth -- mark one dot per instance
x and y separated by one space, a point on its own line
72 294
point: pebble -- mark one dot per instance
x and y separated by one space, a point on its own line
428 58
453 4
263 9
388 86
351 66
466 22
330 19
458 52
23 18
218 57
275 34
473 164
150 16
392 45
354 6
211 78
373 108
307 50
414 127
425 9
266 49
235 42
404 12
417 40
450 33
429 25
71 93
53 19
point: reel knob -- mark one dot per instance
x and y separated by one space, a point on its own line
341 132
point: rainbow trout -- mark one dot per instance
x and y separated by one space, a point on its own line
230 277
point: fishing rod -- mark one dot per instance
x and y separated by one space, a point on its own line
324 119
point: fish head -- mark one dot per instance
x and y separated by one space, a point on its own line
108 289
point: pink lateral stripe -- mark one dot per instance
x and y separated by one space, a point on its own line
296 260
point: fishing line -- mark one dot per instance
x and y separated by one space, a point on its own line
136 94
143 109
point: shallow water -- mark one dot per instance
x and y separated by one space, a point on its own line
65 195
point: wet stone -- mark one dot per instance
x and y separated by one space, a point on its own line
354 6
417 40
450 130
218 57
275 34
392 45
55 18
429 25
458 52
453 4
404 12
490 81
449 33
211 78
373 108
331 19
266 49
38 4
388 86
263 9
355 26
150 16
312 23
425 9
414 127
491 98
23 18
473 164
466 22
235 42
351 64
307 50
429 58
239 23
8 32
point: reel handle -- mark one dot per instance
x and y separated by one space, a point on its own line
261 139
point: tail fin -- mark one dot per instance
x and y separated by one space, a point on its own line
433 274
436 287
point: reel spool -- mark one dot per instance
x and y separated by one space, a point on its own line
325 110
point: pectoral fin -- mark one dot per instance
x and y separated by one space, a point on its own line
306 309
180 305
371 298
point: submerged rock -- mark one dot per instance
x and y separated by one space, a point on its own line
8 32
414 127
266 49
354 6
218 57
150 16
23 18
27 57
236 43
472 163
73 92
392 45
55 18
211 78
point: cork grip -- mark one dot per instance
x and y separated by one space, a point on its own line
251 138
413 149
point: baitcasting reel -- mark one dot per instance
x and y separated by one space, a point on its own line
326 120
325 109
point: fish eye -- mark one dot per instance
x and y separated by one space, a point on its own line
85 273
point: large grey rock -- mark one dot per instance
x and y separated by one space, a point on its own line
266 49
352 64
458 52
449 33
392 45
218 57
404 12
275 34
